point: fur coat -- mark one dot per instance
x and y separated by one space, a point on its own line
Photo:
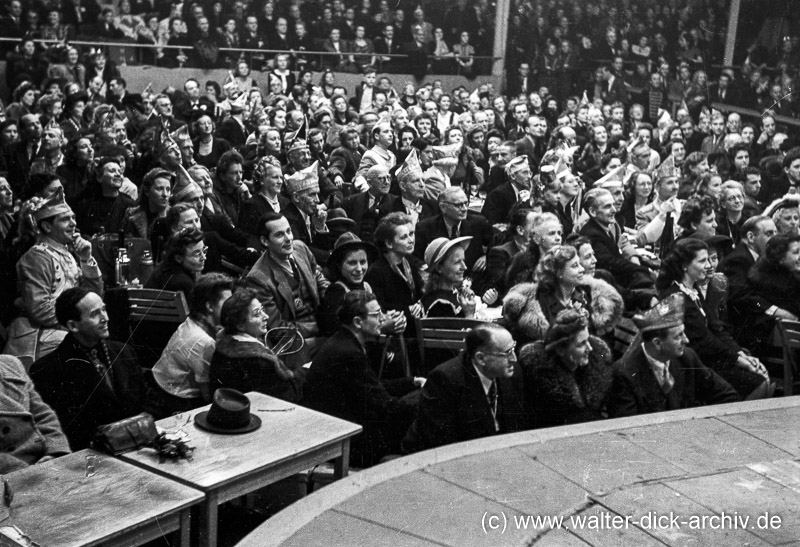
524 317
557 396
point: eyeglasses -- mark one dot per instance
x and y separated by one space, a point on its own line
508 354
378 313
459 205
200 253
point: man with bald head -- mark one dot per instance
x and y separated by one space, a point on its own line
476 394
364 207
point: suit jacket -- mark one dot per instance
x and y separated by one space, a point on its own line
711 145
635 390
609 257
454 407
19 166
474 225
252 210
429 208
737 264
344 161
69 382
233 132
320 243
341 383
498 203
617 93
534 150
366 218
186 110
271 282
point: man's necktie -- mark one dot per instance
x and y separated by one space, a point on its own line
104 372
454 233
492 395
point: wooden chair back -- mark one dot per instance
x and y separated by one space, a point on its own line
789 336
153 317
443 333
157 305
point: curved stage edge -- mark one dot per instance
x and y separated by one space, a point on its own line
659 479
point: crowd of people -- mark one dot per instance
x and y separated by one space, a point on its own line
303 222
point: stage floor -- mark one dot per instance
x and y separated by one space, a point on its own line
725 475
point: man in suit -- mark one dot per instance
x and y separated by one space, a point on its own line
521 82
194 103
365 92
417 52
21 155
334 44
533 144
364 207
714 142
119 98
12 26
454 221
500 200
477 394
304 213
412 199
233 129
662 373
520 127
501 156
387 45
612 252
88 380
614 89
755 233
288 280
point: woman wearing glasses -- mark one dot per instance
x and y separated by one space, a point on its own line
242 359
184 260
562 283
568 374
731 205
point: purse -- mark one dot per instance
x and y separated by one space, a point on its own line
125 435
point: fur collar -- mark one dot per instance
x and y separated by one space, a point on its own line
522 310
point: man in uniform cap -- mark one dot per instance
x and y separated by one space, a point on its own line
43 273
518 188
659 372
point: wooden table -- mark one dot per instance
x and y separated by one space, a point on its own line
291 439
55 503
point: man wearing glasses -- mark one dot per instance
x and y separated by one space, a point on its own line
474 395
364 207
453 221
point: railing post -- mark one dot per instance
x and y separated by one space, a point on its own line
500 38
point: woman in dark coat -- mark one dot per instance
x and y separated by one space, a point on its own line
184 260
774 280
568 375
394 278
685 266
341 382
243 361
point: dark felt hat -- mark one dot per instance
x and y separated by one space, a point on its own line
229 414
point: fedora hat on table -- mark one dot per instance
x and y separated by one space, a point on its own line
229 414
